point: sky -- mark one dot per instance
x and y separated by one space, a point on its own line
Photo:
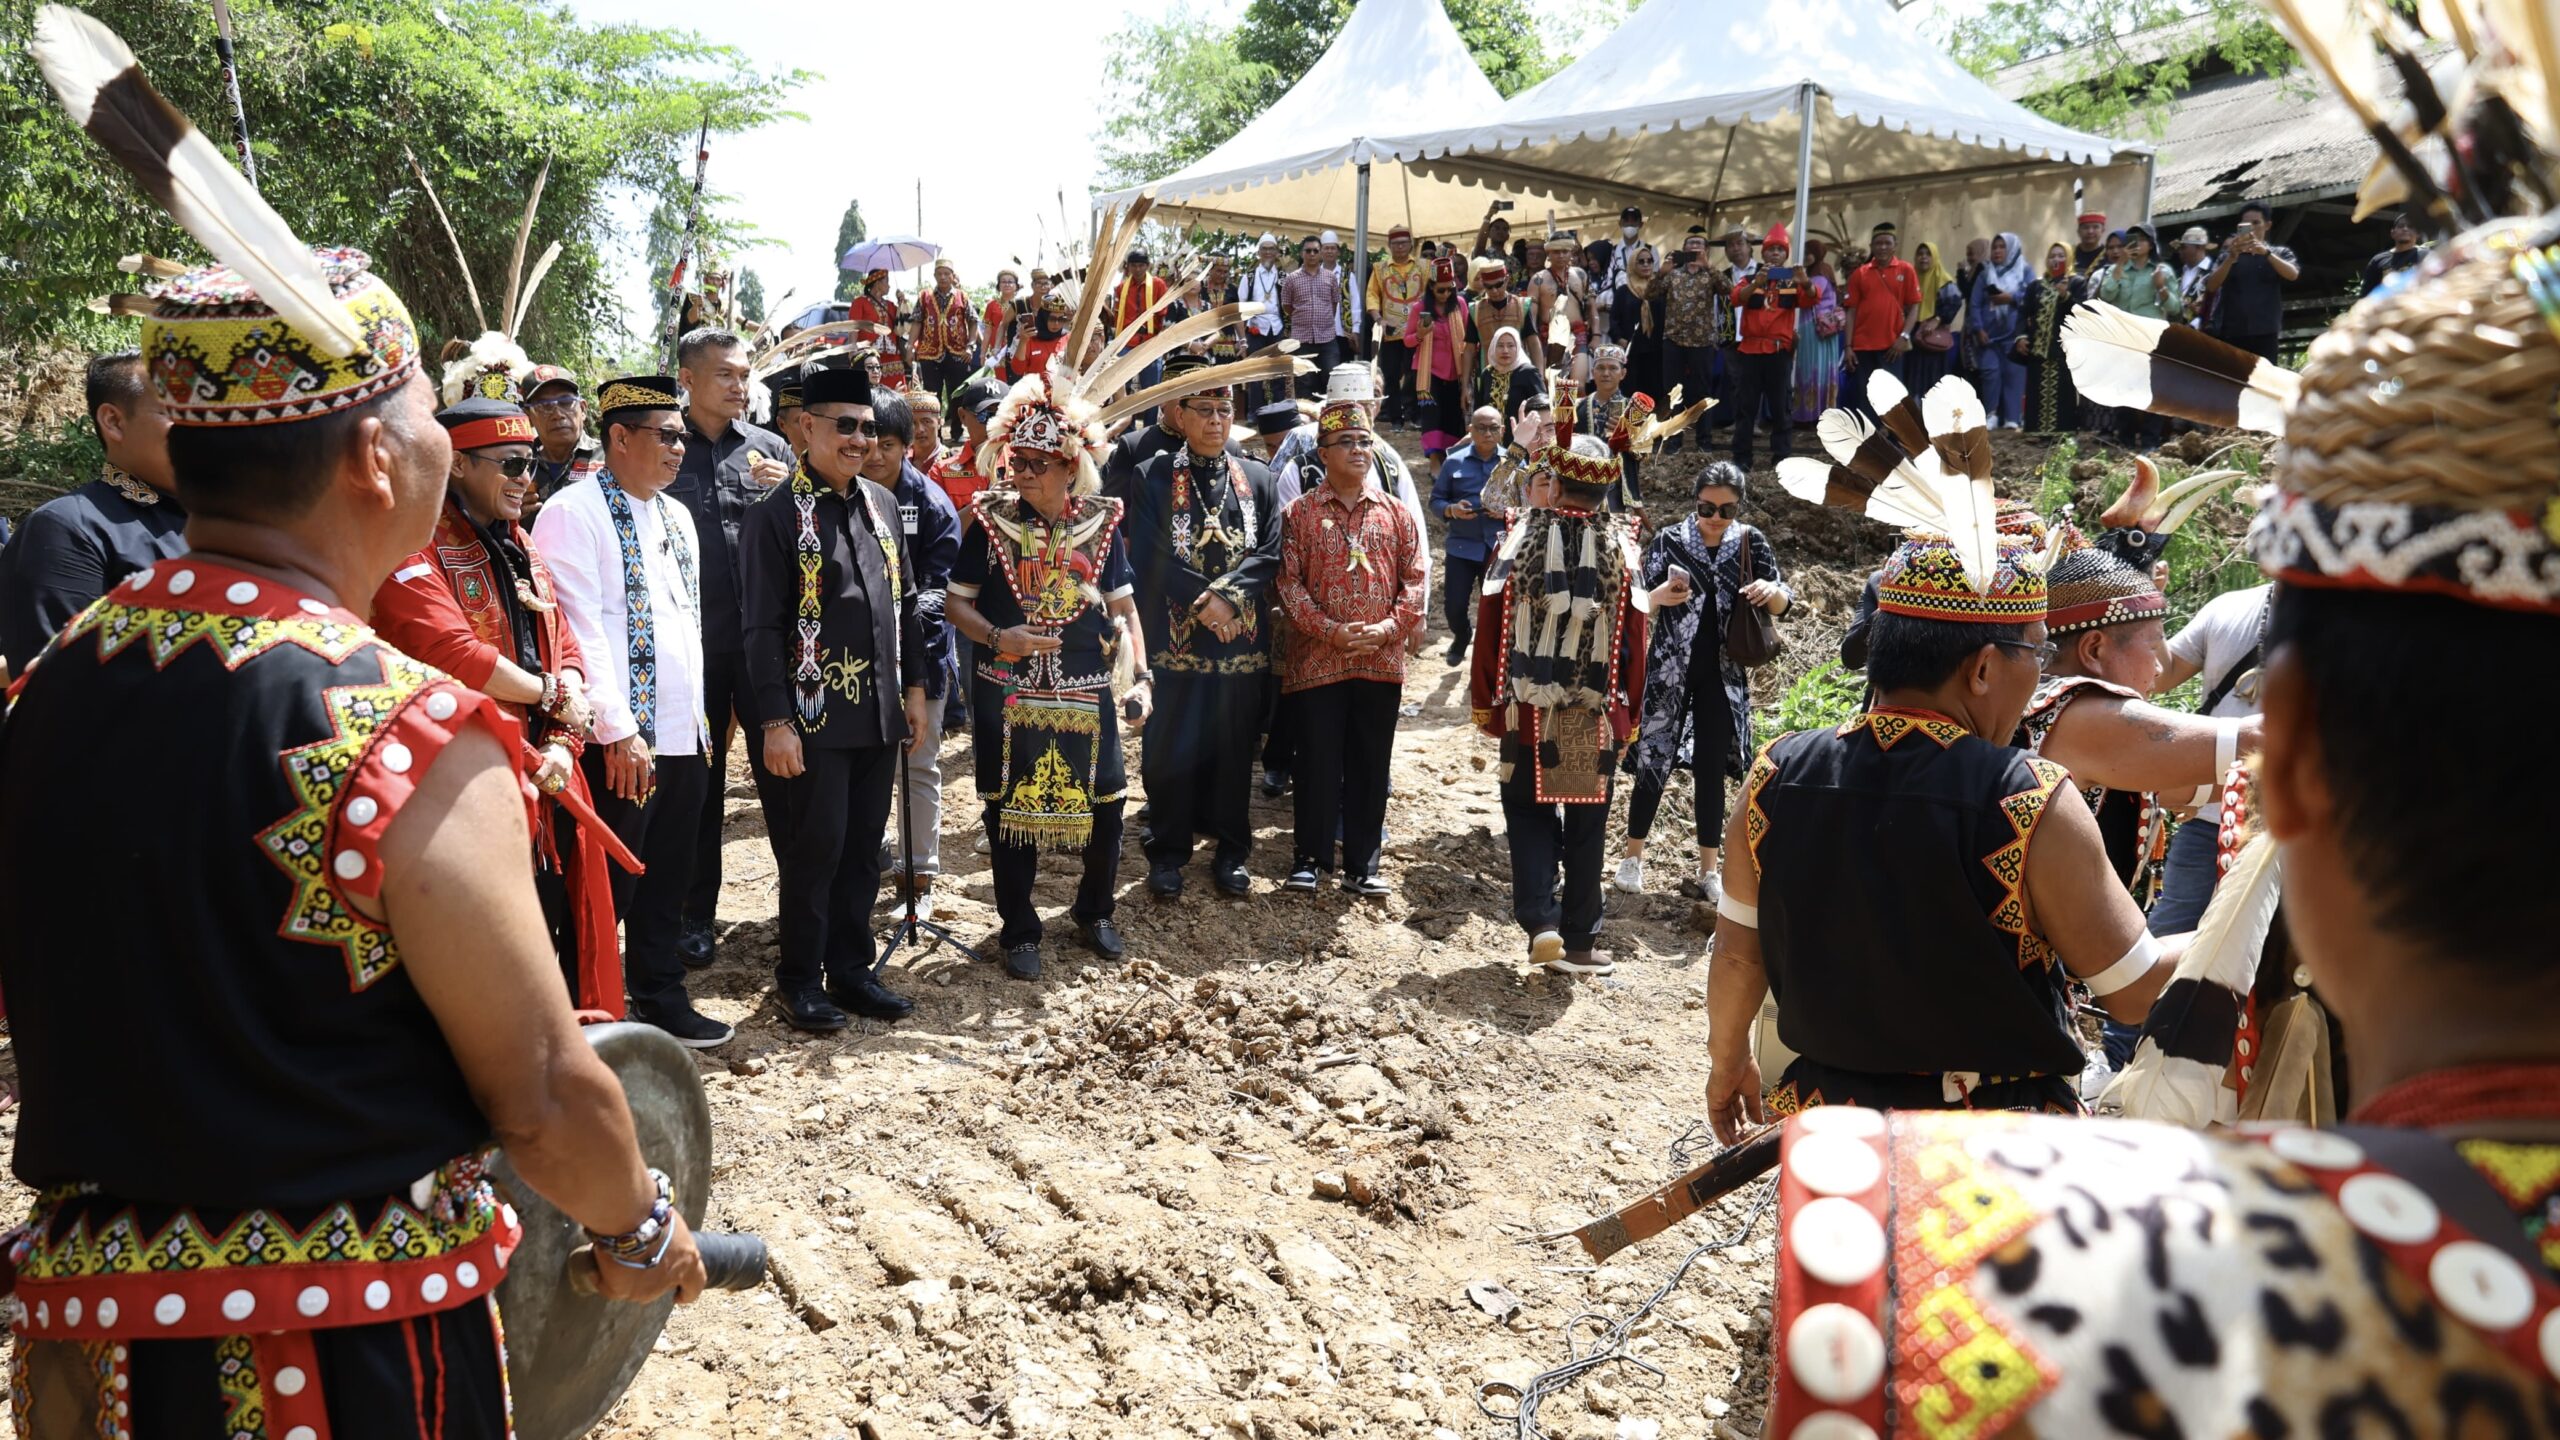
902 96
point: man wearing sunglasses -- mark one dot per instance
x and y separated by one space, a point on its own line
837 654
479 604
1940 978
627 563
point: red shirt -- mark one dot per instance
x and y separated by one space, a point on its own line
956 471
1877 294
1344 564
1768 318
1035 355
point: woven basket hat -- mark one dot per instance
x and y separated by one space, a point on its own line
2423 452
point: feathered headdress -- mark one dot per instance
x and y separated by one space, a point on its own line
1942 487
1068 410
278 331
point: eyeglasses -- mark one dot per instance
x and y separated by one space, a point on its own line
554 402
1725 511
2044 653
1212 412
513 467
1358 442
850 426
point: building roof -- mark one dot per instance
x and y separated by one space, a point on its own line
2281 139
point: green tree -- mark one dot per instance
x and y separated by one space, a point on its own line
1179 87
338 93
2126 62
751 303
850 231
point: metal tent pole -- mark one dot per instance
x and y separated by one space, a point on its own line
1360 262
1804 168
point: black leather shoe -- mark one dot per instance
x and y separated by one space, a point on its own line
692 1029
810 1010
1164 883
1231 878
1103 939
865 996
1022 961
696 947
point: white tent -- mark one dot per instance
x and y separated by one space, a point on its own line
1397 67
1697 108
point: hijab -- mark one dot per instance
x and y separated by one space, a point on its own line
1519 351
2011 275
1935 279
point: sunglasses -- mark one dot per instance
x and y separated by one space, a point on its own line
850 426
1028 466
513 467
671 436
2044 653
1725 511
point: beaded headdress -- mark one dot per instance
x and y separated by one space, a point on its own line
1928 579
218 354
2088 588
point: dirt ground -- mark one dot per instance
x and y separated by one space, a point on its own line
1247 1183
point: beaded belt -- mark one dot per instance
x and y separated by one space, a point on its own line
259 1286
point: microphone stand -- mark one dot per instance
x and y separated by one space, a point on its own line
912 927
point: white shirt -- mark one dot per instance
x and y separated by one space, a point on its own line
576 535
2219 638
1263 288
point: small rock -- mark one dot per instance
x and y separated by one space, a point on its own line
1717 1407
1361 1184
814 1115
1330 1185
1493 1298
951 1340
752 1065
1634 1429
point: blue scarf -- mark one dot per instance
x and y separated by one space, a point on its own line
635 598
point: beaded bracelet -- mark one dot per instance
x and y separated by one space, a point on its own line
647 1243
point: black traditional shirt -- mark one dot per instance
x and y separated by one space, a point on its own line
1204 524
1893 864
75 548
870 642
248 1038
1130 454
713 483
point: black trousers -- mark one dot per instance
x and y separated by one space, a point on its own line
1261 392
1198 765
651 905
1311 386
1693 369
1460 580
1853 386
1017 866
1280 731
2265 345
1346 737
559 911
1546 838
1396 359
837 809
725 693
941 378
1764 380
1710 716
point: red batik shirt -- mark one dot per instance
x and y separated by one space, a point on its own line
1345 563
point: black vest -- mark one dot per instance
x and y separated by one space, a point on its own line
190 782
1892 856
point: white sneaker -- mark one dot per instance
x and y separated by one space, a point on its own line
1546 949
1630 876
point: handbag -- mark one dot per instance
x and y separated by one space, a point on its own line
1751 635
1934 336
